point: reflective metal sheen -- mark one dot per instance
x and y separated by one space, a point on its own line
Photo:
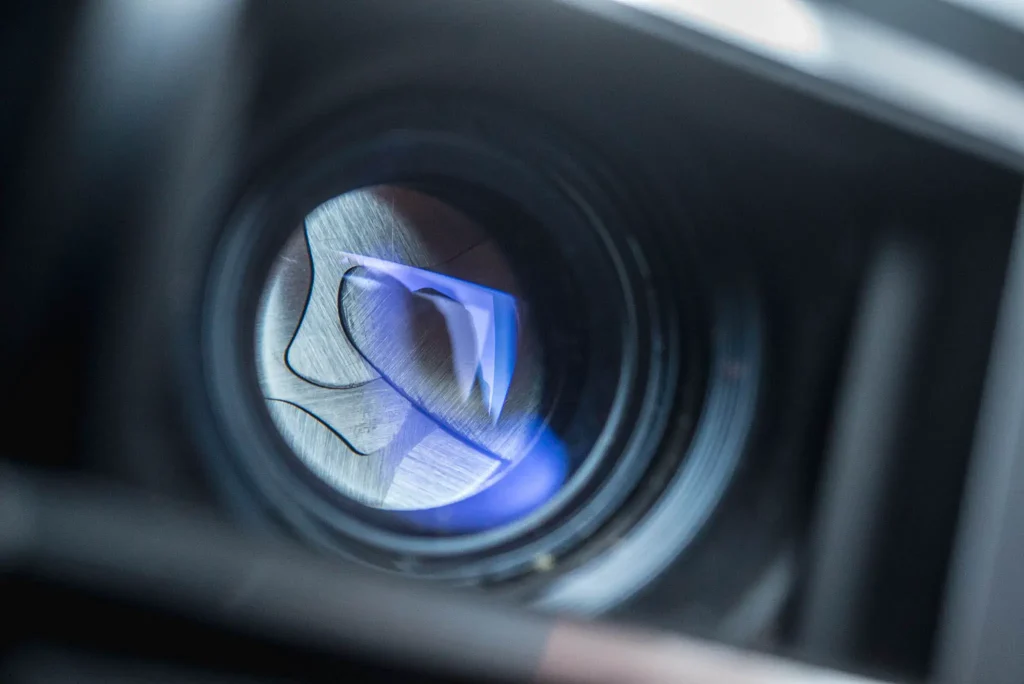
395 356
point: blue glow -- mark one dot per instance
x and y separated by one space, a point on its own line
490 348
482 327
521 489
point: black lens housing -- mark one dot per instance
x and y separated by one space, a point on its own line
641 347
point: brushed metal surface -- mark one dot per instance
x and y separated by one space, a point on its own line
403 475
389 224
412 350
433 429
364 478
368 415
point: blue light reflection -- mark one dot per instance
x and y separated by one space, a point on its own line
482 340
519 490
489 348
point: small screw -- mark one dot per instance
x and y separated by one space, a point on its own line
545 562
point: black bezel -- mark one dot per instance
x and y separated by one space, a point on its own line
417 140
391 152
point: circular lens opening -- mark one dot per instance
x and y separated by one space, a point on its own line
402 363
454 234
553 238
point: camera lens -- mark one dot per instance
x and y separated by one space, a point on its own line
448 343
399 359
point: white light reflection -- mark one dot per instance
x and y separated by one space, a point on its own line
833 43
781 27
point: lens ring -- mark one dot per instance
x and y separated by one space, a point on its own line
426 546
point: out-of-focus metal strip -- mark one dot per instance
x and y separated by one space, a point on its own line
136 79
830 51
983 622
863 451
184 562
596 654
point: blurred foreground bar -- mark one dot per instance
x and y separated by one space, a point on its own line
864 447
183 563
983 624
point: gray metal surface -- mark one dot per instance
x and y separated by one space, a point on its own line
1008 11
979 639
368 224
832 51
863 449
109 544
362 374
